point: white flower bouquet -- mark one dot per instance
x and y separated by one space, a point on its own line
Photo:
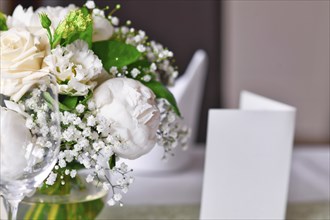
112 82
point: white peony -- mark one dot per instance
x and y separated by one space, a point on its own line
75 66
21 55
14 137
132 109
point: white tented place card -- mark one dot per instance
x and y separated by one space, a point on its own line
248 157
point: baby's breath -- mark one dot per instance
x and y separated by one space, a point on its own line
171 132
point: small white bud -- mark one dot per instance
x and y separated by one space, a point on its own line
111 202
90 4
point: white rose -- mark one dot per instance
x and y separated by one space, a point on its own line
102 29
132 109
14 137
21 56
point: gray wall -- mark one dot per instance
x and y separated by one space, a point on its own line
280 49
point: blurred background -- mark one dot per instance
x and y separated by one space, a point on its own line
279 49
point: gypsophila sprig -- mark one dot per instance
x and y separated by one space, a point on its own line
113 97
172 132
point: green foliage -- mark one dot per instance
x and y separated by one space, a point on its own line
68 103
65 102
140 64
112 161
57 188
143 65
45 21
86 98
3 24
162 92
49 99
115 53
77 25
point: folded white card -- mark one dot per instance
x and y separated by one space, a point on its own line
248 157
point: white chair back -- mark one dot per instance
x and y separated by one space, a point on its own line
188 91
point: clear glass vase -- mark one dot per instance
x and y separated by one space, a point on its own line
82 203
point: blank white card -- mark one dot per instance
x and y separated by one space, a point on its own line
248 157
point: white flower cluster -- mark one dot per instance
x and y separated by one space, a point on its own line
135 73
171 132
87 139
75 67
43 124
86 136
120 183
156 53
160 58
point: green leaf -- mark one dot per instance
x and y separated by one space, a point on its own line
63 107
87 98
115 53
140 64
74 165
162 92
70 102
112 161
3 24
66 103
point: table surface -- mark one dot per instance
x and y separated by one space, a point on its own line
295 211
155 197
309 180
168 197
